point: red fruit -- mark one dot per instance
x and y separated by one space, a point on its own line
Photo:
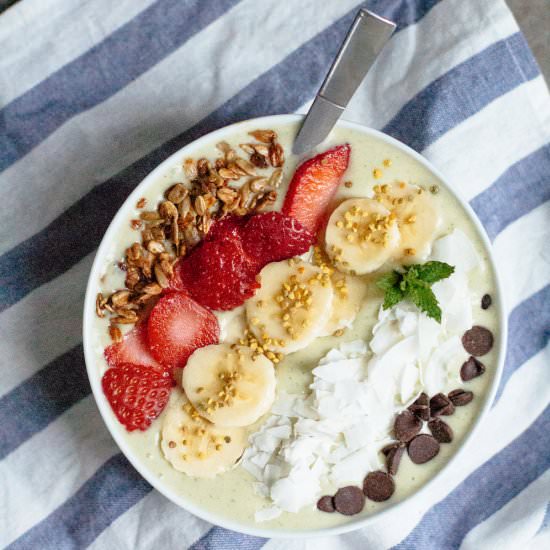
178 326
133 349
217 274
137 394
228 228
313 186
272 236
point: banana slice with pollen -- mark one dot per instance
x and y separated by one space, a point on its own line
417 217
349 293
195 446
230 386
292 305
361 236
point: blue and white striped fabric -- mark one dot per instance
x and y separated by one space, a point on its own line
94 94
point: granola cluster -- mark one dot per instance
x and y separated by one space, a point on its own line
231 183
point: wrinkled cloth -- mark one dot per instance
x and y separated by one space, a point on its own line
93 95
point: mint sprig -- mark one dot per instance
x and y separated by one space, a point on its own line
413 282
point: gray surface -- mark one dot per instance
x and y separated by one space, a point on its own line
533 17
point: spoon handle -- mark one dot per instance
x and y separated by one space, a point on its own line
365 39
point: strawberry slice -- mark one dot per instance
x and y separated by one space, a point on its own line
220 273
177 326
228 228
217 274
272 236
133 349
313 186
136 393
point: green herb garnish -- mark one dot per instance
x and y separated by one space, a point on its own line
413 283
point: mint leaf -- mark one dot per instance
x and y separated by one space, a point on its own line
392 297
388 280
431 272
422 296
414 284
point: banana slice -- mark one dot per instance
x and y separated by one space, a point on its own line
349 293
292 305
229 386
417 217
195 446
361 236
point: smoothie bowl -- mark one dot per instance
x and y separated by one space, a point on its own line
293 346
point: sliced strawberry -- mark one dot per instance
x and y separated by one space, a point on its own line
220 273
217 274
228 228
272 236
137 394
133 349
313 186
177 327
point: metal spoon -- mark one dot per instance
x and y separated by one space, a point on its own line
366 38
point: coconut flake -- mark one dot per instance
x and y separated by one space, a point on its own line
352 469
343 369
444 365
266 514
456 249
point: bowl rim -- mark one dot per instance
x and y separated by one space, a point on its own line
110 420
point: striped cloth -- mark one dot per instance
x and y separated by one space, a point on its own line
94 94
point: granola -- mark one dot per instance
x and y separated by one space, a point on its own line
214 188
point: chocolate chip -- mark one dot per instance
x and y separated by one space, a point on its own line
460 397
486 301
477 341
471 369
326 504
388 448
378 486
420 407
423 448
349 500
393 458
440 404
441 430
406 426
422 399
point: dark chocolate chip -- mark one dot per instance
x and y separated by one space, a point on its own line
486 301
477 341
440 404
460 397
423 448
420 407
388 448
422 399
406 426
349 500
471 369
441 430
326 504
378 486
393 458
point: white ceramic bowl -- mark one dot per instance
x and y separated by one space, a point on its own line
122 217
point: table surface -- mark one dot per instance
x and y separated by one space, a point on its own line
533 17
